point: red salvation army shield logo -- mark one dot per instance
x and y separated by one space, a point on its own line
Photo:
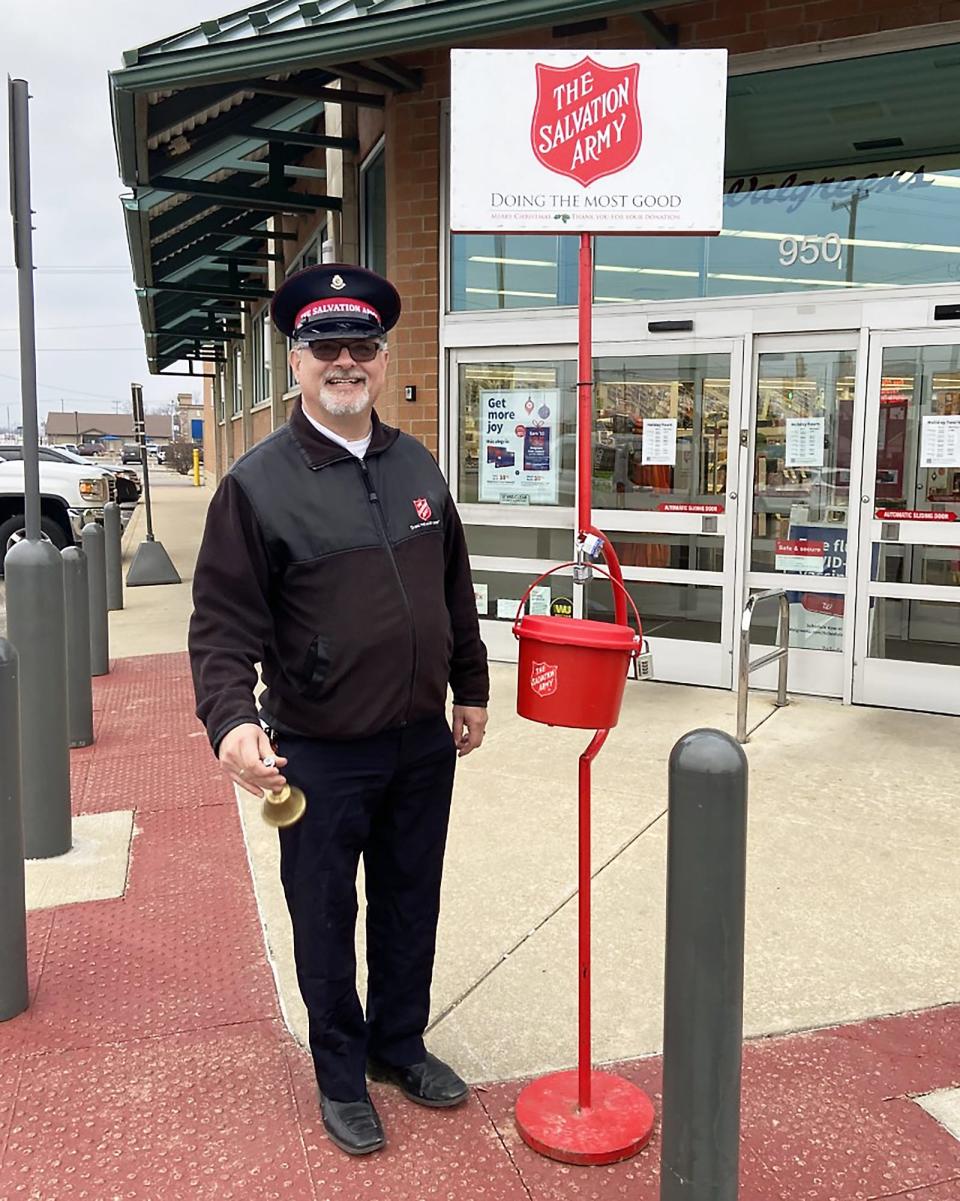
424 512
543 679
586 122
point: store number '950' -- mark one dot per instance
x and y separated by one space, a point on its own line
810 250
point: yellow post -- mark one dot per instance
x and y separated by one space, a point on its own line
196 468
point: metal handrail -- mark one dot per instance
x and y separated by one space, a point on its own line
746 667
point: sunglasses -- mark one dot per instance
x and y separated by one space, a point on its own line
361 352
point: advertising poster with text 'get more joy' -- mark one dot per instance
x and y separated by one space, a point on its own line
518 449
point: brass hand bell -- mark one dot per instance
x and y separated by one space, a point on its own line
283 808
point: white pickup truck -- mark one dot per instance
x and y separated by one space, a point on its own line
70 496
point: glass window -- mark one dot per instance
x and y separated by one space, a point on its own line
690 612
915 630
896 563
309 256
887 226
519 542
802 462
919 413
517 433
660 431
499 593
260 350
238 379
683 552
512 271
816 622
374 201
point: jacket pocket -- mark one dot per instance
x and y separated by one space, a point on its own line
316 668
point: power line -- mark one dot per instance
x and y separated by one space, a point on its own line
71 270
74 349
71 391
12 329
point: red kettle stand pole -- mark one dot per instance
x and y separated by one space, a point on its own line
586 1117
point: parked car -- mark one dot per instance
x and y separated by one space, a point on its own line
127 483
130 453
91 448
71 494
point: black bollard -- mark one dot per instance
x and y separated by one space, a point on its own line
13 915
113 547
703 993
76 598
36 626
93 548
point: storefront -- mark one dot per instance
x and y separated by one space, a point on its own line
776 407
793 448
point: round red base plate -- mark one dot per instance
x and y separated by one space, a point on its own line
618 1123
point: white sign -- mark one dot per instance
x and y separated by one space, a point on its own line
940 442
481 595
799 557
548 141
518 451
507 609
659 441
805 436
539 601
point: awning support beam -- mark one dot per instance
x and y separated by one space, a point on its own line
663 36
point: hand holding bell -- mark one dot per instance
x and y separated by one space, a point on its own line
283 808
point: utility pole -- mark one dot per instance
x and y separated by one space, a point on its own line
851 205
36 616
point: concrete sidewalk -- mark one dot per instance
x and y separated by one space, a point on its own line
154 1062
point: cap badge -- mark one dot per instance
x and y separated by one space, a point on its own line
337 282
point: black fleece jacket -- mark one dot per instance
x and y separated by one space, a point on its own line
348 580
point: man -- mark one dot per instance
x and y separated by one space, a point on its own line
334 557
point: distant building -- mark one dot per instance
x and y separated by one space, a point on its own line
188 418
62 428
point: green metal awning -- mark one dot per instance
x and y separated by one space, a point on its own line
212 125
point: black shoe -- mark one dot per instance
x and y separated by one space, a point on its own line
353 1125
431 1082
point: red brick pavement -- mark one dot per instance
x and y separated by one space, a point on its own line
153 1063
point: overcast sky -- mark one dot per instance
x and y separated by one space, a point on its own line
88 335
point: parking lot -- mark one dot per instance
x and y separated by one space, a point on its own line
160 477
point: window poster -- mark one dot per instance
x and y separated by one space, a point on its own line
940 442
659 441
805 437
518 447
539 601
481 594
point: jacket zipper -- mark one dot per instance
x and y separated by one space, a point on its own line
381 521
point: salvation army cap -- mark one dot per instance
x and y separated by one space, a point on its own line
335 300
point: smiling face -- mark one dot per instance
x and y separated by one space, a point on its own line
341 387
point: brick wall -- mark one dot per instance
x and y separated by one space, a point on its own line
413 231
744 26
261 423
235 438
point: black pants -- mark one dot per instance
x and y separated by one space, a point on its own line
387 798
